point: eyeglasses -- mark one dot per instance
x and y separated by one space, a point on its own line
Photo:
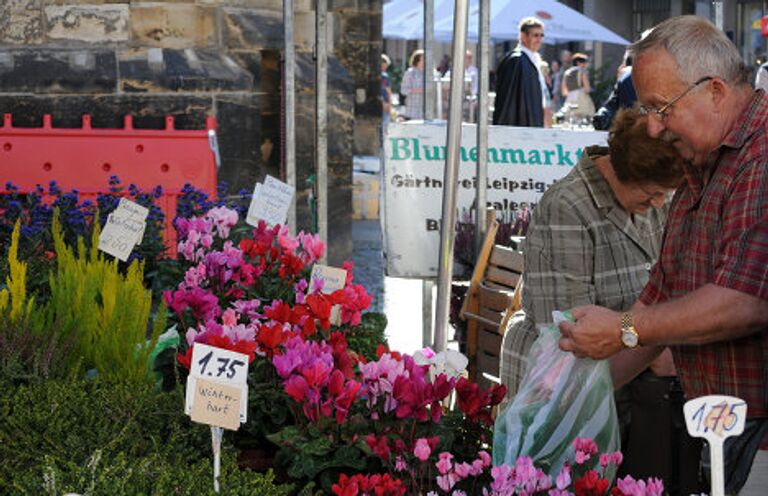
537 35
663 112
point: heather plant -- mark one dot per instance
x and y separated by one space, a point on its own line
28 348
98 315
108 311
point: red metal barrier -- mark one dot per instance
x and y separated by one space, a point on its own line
85 158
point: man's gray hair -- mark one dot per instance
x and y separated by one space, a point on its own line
698 48
530 23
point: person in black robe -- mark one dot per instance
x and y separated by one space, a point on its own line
518 85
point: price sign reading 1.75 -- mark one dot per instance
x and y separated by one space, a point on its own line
717 415
715 418
218 364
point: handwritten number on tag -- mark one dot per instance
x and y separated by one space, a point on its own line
204 361
227 367
720 417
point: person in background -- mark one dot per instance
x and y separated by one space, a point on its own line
565 63
471 73
544 68
386 92
557 77
622 96
707 297
470 88
412 87
445 65
593 238
520 86
576 88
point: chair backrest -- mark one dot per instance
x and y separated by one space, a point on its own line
492 298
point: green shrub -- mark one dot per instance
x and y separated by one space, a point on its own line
58 422
152 475
367 336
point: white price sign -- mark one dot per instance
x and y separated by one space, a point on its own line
218 364
270 202
716 418
333 278
217 389
124 229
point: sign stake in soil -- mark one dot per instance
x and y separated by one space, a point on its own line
715 418
216 434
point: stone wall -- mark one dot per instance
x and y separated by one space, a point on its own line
192 58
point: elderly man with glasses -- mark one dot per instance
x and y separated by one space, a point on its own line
521 91
707 297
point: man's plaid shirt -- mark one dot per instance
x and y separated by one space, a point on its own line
718 234
582 248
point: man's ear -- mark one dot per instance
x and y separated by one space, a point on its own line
719 91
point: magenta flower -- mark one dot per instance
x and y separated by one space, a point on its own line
563 479
447 481
313 247
286 241
422 449
444 463
630 487
400 464
223 219
617 458
462 470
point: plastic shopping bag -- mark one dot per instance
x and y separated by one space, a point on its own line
561 397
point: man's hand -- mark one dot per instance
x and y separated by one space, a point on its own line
596 332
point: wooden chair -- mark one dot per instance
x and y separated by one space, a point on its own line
492 298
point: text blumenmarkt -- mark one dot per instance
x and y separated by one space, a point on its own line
413 149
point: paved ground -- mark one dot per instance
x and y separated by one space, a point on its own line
399 299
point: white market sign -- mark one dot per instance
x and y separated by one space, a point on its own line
522 164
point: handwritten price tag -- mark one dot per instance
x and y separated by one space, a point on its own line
124 229
218 364
217 389
270 202
715 418
332 278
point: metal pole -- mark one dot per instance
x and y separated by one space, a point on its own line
450 190
429 59
321 130
426 312
482 123
289 85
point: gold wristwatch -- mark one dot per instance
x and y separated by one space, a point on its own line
629 335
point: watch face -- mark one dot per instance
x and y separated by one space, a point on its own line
629 339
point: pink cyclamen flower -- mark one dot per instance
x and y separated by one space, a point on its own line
605 459
617 458
462 470
559 492
444 464
563 479
422 449
400 464
223 219
586 445
447 481
581 457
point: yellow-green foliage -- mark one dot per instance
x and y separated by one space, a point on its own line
16 294
107 312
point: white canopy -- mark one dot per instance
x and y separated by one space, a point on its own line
404 19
